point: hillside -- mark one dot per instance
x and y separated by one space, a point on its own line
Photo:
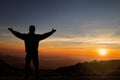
7 70
95 68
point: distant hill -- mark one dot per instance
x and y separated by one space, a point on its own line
6 69
95 68
14 61
11 65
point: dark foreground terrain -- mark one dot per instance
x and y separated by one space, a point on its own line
74 72
95 70
60 78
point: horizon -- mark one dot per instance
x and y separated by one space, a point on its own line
84 28
56 61
14 60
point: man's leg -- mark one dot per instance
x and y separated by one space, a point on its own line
27 64
36 65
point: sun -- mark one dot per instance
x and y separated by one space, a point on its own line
102 51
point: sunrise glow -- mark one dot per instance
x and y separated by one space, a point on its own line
102 51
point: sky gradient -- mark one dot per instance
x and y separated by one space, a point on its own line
83 26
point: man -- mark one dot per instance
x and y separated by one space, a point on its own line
31 41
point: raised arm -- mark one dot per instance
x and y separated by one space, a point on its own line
45 35
17 34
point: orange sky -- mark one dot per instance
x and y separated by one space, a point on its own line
46 48
60 54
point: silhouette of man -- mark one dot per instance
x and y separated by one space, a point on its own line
31 41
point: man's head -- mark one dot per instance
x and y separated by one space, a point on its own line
32 29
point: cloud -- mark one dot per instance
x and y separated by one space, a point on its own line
108 40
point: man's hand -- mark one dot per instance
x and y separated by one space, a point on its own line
10 29
53 30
